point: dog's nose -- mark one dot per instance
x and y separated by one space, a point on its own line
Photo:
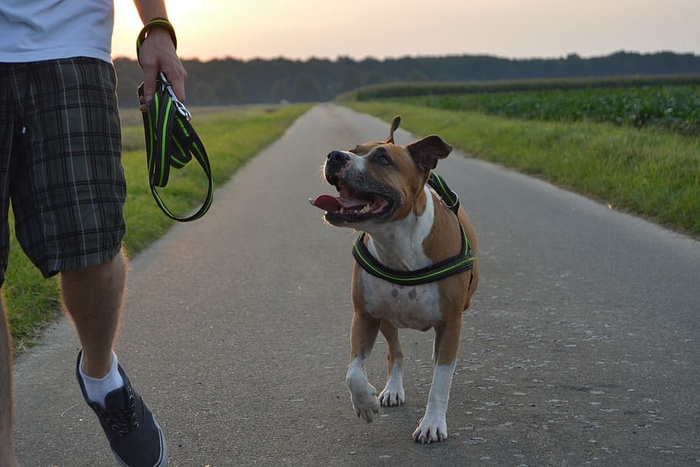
337 157
335 161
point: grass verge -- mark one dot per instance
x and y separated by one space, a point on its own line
231 136
650 173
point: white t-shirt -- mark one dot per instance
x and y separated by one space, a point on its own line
35 30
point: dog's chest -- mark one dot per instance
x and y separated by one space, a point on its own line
414 307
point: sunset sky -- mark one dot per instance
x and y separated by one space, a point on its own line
300 29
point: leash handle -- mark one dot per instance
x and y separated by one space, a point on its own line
171 141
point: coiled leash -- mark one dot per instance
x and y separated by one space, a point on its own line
171 141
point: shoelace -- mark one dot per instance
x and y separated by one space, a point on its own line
172 142
123 419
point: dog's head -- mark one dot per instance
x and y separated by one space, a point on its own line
379 181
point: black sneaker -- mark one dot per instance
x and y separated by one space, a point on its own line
134 435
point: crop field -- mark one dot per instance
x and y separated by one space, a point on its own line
668 103
674 108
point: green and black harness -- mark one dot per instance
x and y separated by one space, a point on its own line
463 261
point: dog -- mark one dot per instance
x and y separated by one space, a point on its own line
416 265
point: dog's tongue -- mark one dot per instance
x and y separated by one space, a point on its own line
326 202
331 203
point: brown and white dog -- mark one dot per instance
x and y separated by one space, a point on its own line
383 193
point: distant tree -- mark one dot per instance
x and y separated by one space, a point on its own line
260 80
306 88
227 89
129 76
331 90
127 94
204 94
351 79
416 75
375 77
280 91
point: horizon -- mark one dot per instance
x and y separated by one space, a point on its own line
510 29
383 59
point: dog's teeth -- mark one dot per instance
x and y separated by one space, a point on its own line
365 210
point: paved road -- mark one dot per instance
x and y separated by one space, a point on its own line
581 347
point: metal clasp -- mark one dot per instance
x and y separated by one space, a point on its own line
178 105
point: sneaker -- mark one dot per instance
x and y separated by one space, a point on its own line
134 435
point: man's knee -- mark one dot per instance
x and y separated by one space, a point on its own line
113 269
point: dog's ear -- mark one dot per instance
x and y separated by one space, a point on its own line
427 151
394 126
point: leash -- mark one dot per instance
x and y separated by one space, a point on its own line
172 142
463 261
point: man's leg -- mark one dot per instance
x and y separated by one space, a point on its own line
7 452
93 298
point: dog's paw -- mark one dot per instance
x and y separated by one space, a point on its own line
392 395
363 394
366 404
431 429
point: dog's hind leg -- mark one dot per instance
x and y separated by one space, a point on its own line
393 392
362 337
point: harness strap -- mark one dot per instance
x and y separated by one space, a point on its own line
448 196
462 261
171 141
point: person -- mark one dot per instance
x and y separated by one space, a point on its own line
60 167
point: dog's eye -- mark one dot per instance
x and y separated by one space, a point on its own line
382 158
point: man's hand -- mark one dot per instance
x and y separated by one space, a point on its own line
158 54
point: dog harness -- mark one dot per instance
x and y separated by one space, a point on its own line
172 142
463 261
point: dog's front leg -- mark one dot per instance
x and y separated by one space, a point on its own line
393 392
433 425
362 337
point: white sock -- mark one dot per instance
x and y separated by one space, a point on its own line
98 388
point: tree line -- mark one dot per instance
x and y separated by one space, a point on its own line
231 81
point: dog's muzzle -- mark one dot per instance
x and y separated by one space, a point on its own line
335 162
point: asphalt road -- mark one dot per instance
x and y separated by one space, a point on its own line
581 347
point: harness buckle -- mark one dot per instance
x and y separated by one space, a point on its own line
454 206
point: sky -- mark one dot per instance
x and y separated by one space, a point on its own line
380 29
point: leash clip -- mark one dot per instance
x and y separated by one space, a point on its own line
167 87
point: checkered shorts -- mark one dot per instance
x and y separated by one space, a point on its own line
60 163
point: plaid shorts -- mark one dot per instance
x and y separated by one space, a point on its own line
60 163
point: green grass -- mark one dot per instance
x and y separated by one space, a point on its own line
231 136
652 173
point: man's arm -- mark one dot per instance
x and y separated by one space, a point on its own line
158 53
